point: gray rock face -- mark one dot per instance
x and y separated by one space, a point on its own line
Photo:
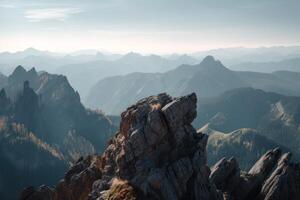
271 177
284 182
223 172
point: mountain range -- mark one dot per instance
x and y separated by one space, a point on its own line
77 66
43 123
84 75
46 60
209 78
86 67
236 55
273 116
292 64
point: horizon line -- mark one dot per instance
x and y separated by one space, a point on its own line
105 51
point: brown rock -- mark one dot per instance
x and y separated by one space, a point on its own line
79 180
41 193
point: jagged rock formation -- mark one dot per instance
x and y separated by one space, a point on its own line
157 154
273 177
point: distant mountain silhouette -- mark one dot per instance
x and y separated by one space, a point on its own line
292 64
283 82
85 74
236 55
208 79
46 60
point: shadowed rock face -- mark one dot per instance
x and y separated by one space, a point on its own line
157 154
272 177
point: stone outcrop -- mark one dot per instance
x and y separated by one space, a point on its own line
78 180
157 154
273 177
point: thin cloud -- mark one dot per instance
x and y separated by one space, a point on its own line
59 14
7 6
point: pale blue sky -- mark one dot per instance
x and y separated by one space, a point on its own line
157 26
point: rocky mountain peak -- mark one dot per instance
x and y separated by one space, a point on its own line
20 75
152 132
211 62
19 71
157 154
33 71
208 59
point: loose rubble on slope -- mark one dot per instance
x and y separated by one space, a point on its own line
157 154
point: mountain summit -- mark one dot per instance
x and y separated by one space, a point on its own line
209 60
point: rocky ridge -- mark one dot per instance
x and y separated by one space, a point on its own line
41 116
157 154
49 107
